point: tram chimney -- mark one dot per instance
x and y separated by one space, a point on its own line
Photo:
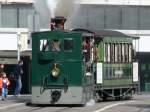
58 22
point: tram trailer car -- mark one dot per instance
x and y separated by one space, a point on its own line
116 68
59 74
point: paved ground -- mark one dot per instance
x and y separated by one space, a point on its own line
14 101
140 103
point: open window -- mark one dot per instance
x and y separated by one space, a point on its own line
44 45
86 48
55 45
50 45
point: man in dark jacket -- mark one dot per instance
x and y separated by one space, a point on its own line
17 73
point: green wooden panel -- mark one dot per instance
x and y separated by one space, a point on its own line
101 51
117 82
117 39
117 70
71 71
69 63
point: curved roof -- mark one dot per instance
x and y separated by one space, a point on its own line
85 32
104 32
82 30
110 33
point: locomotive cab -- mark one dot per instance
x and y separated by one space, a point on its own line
61 67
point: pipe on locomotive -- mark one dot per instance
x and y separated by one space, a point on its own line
57 22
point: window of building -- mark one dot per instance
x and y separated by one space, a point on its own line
17 16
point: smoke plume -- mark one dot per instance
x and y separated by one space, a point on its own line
52 5
65 7
61 7
42 9
50 8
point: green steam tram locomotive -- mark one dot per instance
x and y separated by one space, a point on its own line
72 67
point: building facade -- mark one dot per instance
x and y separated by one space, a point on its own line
16 23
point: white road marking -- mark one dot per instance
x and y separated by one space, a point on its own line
113 105
11 105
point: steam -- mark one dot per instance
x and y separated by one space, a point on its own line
52 4
90 103
50 8
42 9
61 7
73 18
65 7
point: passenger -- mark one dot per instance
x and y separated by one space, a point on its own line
5 84
95 54
18 71
84 46
86 50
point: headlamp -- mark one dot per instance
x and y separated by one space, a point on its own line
55 71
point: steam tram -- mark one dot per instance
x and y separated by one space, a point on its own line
72 67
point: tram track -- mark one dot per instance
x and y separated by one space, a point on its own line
64 109
47 109
26 108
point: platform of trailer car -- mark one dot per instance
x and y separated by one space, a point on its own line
97 87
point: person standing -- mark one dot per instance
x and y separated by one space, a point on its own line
1 76
18 71
5 84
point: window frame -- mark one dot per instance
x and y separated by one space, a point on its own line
73 44
49 45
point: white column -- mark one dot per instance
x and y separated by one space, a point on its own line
18 45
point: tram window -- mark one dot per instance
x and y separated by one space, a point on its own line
130 52
49 45
116 52
44 45
55 44
112 52
133 53
120 53
126 53
123 52
68 44
106 52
